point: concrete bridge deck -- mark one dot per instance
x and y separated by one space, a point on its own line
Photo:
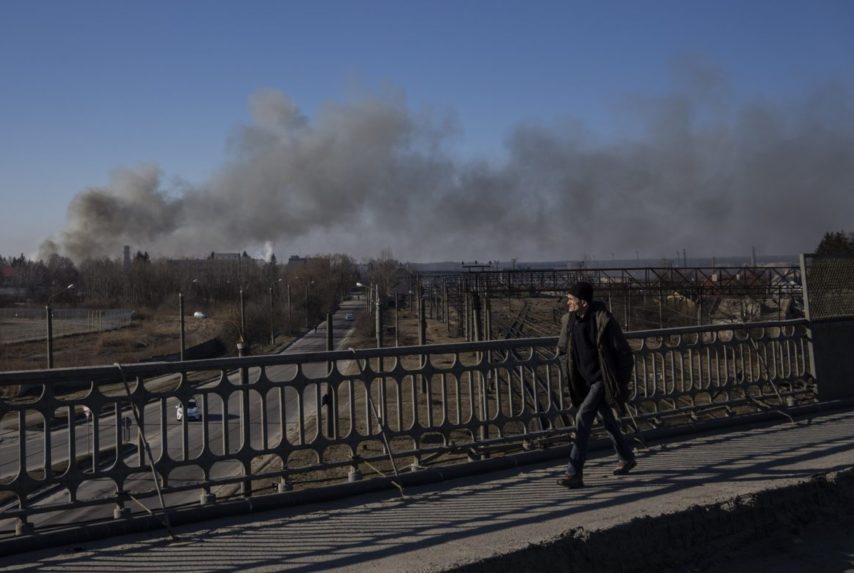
517 520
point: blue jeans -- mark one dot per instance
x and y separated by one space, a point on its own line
594 403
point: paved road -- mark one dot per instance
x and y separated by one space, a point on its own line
313 341
466 520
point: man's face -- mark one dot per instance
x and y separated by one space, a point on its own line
575 304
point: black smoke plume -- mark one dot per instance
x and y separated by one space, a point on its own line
697 172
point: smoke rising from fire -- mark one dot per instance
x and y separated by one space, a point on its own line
697 172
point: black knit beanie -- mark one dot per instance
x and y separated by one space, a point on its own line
582 290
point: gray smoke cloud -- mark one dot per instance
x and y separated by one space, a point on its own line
696 172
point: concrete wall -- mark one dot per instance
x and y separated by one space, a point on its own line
207 349
832 354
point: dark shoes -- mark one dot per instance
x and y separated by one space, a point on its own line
625 467
576 482
571 482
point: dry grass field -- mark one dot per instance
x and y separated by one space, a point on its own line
149 335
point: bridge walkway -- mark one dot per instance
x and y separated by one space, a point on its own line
516 519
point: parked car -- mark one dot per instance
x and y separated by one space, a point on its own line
199 314
193 412
349 316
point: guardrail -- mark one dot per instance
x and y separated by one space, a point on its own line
273 418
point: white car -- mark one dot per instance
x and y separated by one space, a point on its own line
199 314
193 412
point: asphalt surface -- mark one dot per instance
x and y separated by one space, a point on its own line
454 523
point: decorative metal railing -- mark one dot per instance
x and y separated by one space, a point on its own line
691 372
77 443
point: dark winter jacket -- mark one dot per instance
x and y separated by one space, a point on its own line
615 357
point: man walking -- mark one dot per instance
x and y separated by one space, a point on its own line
597 364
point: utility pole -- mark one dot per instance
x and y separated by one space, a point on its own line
49 320
422 323
290 309
181 315
306 305
272 325
242 316
378 316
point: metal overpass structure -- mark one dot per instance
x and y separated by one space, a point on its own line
760 281
456 297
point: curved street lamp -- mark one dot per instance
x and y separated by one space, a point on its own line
307 282
49 317
365 294
194 284
272 321
242 313
290 309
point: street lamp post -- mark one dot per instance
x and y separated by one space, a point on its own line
242 315
365 288
181 314
290 310
49 318
272 325
89 439
378 310
194 285
306 305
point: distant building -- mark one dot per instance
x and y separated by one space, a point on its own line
296 262
217 269
224 256
8 274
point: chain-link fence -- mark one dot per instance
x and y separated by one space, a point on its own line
23 324
828 286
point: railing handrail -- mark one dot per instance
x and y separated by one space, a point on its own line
424 402
109 372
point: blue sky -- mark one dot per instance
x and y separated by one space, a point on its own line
87 87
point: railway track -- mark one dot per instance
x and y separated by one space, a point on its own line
518 326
